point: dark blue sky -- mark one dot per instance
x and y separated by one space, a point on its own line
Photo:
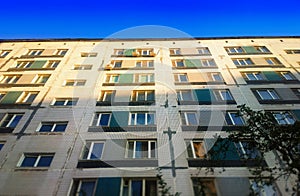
100 19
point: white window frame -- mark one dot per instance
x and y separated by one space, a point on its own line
180 93
115 62
144 63
179 61
208 62
11 119
12 79
214 76
178 78
75 81
226 91
284 117
272 61
54 124
187 121
287 75
25 96
145 116
24 64
134 149
203 50
119 52
293 51
35 52
38 78
262 49
89 54
100 116
110 78
4 53
145 92
144 181
52 64
66 101
193 149
92 143
105 93
38 155
232 120
82 67
148 78
234 50
61 52
243 62
270 92
254 75
175 51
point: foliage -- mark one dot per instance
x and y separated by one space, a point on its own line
267 136
163 187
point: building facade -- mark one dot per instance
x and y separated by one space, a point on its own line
99 117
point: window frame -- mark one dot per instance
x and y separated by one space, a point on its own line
272 61
90 148
89 54
12 79
4 53
52 64
233 122
66 101
271 93
135 118
286 116
191 143
109 78
76 82
11 120
25 96
234 50
149 150
243 62
98 115
61 52
135 95
175 51
77 184
127 183
54 125
38 158
35 52
149 78
228 95
187 122
217 74
292 51
39 78
144 64
177 78
254 76
82 67
106 93
24 64
286 75
204 50
180 95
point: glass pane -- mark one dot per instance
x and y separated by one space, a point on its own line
143 78
46 128
140 119
226 95
138 149
29 161
59 102
199 149
130 149
60 127
30 98
150 64
15 121
180 64
45 161
141 96
132 120
104 119
1 145
183 78
136 187
265 95
87 188
150 119
151 188
237 120
192 120
186 95
152 149
97 151
274 95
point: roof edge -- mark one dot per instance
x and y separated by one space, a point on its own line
144 39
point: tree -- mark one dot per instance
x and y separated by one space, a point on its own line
267 136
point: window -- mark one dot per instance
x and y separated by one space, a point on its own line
145 78
75 82
196 149
102 119
189 118
287 75
185 95
2 94
24 64
65 101
138 186
10 79
140 118
203 50
93 150
284 118
86 54
208 62
144 64
263 190
83 187
61 52
107 96
246 150
175 51
143 95
217 77
254 76
52 64
117 64
295 90
1 145
232 118
178 63
272 61
268 94
53 127
225 95
10 120
82 67
119 52
40 79
233 50
204 186
180 77
242 62
35 52
262 49
145 52
296 51
36 160
141 149
27 97
4 53
112 79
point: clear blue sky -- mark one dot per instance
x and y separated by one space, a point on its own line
102 18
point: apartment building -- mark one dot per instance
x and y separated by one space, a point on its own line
99 117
